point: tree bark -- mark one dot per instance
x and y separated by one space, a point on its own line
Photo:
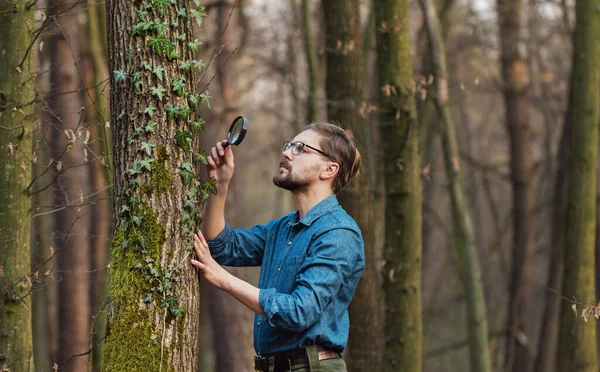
16 124
402 167
153 311
344 86
464 237
518 355
577 350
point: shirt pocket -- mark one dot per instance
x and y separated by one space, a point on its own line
289 273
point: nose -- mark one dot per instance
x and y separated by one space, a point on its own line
288 154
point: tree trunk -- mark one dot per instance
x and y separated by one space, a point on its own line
463 224
153 311
577 349
344 89
16 123
402 167
70 188
548 338
518 355
314 72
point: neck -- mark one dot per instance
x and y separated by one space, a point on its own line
307 199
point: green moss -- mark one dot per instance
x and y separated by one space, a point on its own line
161 177
130 329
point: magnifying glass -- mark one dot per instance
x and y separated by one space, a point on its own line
237 131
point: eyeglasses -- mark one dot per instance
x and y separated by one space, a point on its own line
297 148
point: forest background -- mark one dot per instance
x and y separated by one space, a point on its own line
478 124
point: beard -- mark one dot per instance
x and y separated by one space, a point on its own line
295 182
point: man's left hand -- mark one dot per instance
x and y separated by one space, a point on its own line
211 270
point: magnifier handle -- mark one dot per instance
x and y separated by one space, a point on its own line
225 145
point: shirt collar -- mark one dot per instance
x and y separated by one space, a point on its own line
317 211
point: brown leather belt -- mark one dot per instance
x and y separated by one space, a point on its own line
285 360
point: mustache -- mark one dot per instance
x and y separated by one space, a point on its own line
285 163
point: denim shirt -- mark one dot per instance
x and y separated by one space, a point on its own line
309 270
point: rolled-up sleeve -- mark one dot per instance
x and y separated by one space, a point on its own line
240 247
333 260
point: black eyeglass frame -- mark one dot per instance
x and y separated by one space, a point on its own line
293 144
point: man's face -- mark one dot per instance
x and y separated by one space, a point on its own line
298 172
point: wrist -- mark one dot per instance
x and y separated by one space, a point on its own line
222 188
225 282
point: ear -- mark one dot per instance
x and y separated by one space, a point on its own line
330 172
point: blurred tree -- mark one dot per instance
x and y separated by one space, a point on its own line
402 172
548 338
95 97
344 87
153 311
314 71
17 93
464 237
519 353
68 145
577 349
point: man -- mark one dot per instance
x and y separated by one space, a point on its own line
311 259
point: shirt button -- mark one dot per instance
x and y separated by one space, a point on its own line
279 269
290 243
258 324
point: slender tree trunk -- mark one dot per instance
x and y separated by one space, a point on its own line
96 114
70 188
400 136
577 350
463 223
519 355
153 311
548 338
16 124
314 72
344 87
231 321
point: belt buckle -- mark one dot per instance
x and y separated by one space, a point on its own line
279 363
261 363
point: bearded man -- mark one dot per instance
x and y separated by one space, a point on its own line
311 260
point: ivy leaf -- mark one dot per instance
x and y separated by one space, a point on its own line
175 25
198 14
198 65
123 113
189 203
136 169
197 2
145 163
210 186
160 27
138 265
194 100
182 13
178 85
157 43
150 111
143 14
124 208
161 5
134 202
128 57
137 220
185 65
201 157
187 173
184 140
148 298
172 54
147 66
172 111
150 126
147 147
138 30
194 45
158 91
185 112
197 125
158 71
205 98
120 75
182 37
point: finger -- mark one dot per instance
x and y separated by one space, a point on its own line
202 239
211 162
198 249
215 156
198 264
220 149
229 156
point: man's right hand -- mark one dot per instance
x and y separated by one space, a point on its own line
220 165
